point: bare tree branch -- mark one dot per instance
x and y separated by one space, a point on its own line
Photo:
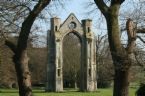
116 2
140 39
102 6
131 33
140 30
11 45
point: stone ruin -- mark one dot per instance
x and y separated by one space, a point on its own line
88 81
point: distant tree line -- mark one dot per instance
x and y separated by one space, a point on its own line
37 65
71 67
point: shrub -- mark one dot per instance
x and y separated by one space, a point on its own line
141 90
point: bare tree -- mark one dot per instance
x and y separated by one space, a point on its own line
121 56
20 16
104 62
72 55
20 58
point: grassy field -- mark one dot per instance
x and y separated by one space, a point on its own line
99 92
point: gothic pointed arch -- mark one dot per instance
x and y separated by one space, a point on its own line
55 53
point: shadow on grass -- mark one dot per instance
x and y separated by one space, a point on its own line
66 90
38 91
8 91
71 90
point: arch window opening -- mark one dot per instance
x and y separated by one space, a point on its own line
71 61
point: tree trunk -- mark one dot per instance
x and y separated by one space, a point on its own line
20 57
23 74
121 83
75 84
118 52
121 56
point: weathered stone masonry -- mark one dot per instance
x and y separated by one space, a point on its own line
55 56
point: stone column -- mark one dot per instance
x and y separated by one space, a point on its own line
54 66
58 66
90 83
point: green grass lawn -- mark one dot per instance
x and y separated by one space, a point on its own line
99 92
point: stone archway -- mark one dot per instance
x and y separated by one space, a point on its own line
55 55
71 60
